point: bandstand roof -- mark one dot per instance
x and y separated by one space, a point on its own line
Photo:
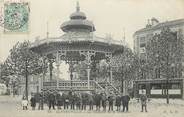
78 37
78 20
80 41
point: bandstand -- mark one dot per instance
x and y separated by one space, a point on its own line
77 44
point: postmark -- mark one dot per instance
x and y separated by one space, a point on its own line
16 17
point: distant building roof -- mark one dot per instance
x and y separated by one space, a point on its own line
160 25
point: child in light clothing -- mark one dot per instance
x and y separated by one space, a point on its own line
25 104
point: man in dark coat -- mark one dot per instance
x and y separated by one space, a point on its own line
118 102
65 100
104 101
125 102
110 100
78 101
51 99
58 101
33 102
72 100
143 99
84 101
91 101
98 99
41 101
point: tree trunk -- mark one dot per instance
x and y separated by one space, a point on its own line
26 87
167 91
122 85
50 68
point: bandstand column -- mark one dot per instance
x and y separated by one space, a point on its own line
58 71
88 73
109 58
42 77
110 74
88 55
88 67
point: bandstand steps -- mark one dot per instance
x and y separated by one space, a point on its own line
80 85
109 88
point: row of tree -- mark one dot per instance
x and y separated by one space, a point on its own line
20 63
164 57
165 54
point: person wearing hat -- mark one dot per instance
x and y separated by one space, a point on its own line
125 102
78 101
104 101
84 101
51 99
118 102
143 99
33 102
91 101
72 100
110 100
98 99
58 101
41 101
65 100
24 103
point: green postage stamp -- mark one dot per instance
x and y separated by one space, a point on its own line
16 17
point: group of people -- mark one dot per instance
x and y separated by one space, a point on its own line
80 101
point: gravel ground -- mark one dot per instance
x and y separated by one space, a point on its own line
10 107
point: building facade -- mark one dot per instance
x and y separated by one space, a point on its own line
141 37
154 27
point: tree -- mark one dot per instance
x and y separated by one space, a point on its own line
4 74
165 52
126 65
23 62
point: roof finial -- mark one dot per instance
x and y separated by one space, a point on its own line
77 7
47 30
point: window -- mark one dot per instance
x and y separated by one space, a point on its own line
175 86
142 86
156 86
143 55
142 44
142 40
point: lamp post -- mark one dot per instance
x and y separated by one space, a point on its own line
172 66
124 75
26 75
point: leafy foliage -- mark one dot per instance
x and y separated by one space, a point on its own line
126 65
165 52
22 62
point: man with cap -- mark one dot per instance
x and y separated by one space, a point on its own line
98 101
51 99
91 101
41 101
104 101
110 100
118 102
143 99
33 102
125 102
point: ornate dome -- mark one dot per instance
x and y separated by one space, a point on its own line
78 21
78 15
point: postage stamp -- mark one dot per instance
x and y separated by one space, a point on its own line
16 17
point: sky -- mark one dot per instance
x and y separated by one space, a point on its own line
109 16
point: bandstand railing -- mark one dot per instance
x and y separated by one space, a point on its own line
80 85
